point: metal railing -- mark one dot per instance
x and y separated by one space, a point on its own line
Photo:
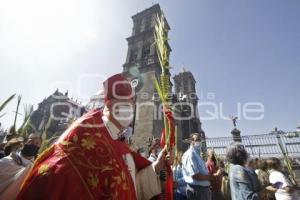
265 145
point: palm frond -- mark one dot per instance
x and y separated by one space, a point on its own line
2 105
163 89
287 161
161 39
28 109
17 110
159 91
47 140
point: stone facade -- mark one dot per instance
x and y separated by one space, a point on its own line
55 113
186 105
142 65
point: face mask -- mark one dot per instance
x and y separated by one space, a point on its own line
29 150
124 115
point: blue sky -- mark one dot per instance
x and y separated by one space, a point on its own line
240 50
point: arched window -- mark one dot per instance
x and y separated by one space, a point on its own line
133 55
146 50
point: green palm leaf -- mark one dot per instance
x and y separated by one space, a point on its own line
163 89
17 110
159 91
23 130
2 106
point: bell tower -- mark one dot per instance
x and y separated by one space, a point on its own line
141 66
187 108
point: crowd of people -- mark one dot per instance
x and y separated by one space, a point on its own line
17 155
243 178
93 159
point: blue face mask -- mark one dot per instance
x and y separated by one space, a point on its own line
197 147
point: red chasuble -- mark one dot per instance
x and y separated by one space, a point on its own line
85 163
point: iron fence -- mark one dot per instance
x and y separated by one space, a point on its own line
265 145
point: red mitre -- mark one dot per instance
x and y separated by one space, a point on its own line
117 87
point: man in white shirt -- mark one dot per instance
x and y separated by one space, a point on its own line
285 190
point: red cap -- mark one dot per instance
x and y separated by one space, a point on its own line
117 87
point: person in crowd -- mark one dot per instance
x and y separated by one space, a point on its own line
268 191
154 150
251 167
241 185
13 145
179 182
225 188
91 160
195 172
14 169
35 139
257 164
2 153
285 189
10 134
213 168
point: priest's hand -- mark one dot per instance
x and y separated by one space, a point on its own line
159 164
170 158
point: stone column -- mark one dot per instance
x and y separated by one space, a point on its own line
236 135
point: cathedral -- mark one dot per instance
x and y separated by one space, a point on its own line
141 66
54 114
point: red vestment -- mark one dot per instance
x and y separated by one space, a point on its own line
85 163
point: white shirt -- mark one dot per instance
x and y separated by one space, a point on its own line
12 176
152 157
277 177
146 181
